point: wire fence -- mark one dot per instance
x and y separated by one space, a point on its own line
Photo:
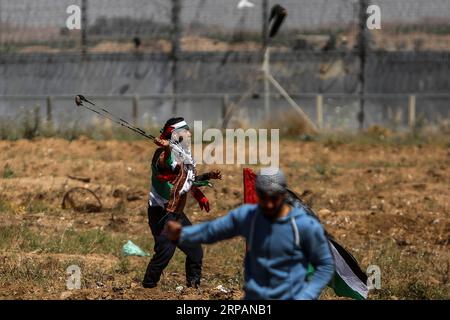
330 112
176 47
28 26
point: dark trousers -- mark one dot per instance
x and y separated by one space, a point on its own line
165 249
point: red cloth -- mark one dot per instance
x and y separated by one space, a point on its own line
166 177
250 195
201 198
167 133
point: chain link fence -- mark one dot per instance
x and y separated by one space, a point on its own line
28 26
172 48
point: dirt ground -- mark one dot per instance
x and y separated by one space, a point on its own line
388 204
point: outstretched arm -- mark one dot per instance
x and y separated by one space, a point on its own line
225 227
215 174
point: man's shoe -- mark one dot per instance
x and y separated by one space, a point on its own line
193 284
149 285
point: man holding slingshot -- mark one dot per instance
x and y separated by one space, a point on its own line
173 177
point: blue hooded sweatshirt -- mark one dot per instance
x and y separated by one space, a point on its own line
278 252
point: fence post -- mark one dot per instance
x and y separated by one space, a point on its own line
36 120
319 111
266 70
49 108
175 52
135 109
265 24
84 26
412 111
266 53
225 103
363 47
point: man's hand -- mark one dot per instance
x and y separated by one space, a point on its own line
204 204
162 142
173 230
215 174
201 199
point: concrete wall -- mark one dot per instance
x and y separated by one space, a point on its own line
129 74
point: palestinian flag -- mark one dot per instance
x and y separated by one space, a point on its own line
349 280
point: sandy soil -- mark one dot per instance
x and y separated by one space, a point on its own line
389 205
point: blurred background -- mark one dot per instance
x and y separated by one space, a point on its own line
148 60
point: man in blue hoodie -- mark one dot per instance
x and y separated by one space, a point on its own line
281 242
